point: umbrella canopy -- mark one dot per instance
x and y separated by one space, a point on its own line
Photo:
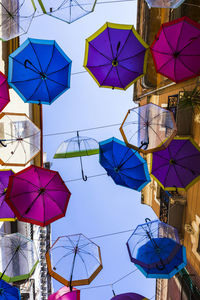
115 56
39 71
129 296
176 49
6 213
148 128
155 249
16 17
20 138
37 196
164 3
18 257
124 165
77 147
8 292
4 92
178 166
67 10
76 260
65 294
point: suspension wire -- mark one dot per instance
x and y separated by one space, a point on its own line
91 176
85 129
109 284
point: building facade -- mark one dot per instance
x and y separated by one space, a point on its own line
181 210
39 286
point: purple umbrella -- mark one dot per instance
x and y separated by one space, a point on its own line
178 166
129 296
38 196
6 214
176 49
115 56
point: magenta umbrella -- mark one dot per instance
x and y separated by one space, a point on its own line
176 49
6 214
38 196
65 294
129 296
4 92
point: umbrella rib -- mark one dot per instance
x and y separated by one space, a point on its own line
187 67
178 177
55 82
29 143
179 38
110 42
132 178
106 76
39 84
89 253
58 70
78 4
55 201
64 256
108 161
127 69
26 80
167 40
36 56
49 97
27 181
130 31
84 265
124 59
51 57
166 63
100 52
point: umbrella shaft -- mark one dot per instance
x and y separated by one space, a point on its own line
9 263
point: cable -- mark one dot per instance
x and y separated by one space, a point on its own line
92 176
86 129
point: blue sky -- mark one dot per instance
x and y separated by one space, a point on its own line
97 206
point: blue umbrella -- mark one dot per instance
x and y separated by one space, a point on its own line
124 165
155 249
39 71
8 291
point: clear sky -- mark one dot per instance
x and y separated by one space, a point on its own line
97 206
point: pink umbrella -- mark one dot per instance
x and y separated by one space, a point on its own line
6 214
38 196
4 93
65 294
176 49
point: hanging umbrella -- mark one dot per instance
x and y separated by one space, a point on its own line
176 49
129 296
115 56
6 214
65 294
155 249
67 10
16 17
4 93
148 128
19 139
125 166
77 147
8 292
178 166
76 260
18 257
164 3
37 196
39 71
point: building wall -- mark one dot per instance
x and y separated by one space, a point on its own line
183 210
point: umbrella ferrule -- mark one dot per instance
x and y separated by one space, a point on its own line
115 62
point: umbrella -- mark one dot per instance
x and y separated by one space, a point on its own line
148 128
178 166
39 71
65 294
18 257
37 196
77 147
8 292
176 49
155 249
76 260
164 3
4 93
20 138
129 296
125 166
6 214
115 56
16 17
67 10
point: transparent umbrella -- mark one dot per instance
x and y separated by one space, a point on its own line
18 257
16 17
19 139
67 10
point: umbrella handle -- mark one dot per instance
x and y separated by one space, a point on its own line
2 144
84 177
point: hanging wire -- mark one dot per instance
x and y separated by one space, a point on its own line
92 176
